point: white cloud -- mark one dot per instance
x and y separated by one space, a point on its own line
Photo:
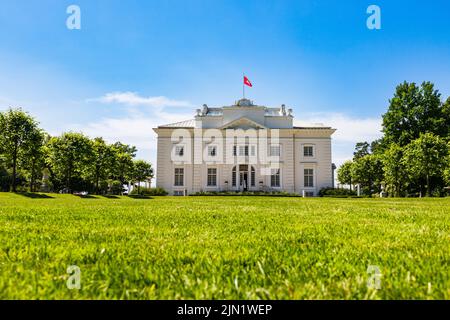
350 130
134 129
133 99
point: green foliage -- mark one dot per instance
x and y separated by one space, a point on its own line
223 248
122 169
326 192
18 133
425 159
68 157
362 149
100 167
275 193
368 172
414 110
142 171
149 192
395 174
345 174
116 187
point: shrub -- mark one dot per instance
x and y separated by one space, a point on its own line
332 192
246 193
149 192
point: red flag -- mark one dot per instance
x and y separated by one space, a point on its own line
247 82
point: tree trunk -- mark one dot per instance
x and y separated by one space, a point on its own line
428 186
14 189
32 177
97 181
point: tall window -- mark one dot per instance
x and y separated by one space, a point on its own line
179 151
212 177
179 177
274 150
252 177
309 177
243 150
233 177
308 151
212 151
275 178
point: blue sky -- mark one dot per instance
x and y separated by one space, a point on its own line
159 60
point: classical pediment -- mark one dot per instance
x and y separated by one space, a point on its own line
243 123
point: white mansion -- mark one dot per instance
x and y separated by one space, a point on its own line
243 147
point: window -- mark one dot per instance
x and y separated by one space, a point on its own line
179 151
309 177
212 177
243 150
308 151
234 150
309 194
233 177
179 177
275 178
274 150
212 151
178 193
252 177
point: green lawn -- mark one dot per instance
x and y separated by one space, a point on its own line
223 247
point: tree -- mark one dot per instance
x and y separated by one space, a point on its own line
414 110
361 149
446 116
103 156
68 158
345 174
368 172
18 129
142 171
394 170
426 158
33 157
123 162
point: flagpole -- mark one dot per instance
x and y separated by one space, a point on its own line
243 85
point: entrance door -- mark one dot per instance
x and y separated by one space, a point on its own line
243 179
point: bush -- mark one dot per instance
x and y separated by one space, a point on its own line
246 193
149 192
332 192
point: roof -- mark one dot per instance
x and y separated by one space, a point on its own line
182 124
316 128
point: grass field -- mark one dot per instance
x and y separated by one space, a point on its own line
223 247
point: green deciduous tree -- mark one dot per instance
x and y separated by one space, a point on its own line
142 171
103 162
18 129
68 158
368 172
33 160
122 169
414 110
345 174
395 174
426 158
361 149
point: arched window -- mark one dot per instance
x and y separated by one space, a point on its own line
233 177
252 177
